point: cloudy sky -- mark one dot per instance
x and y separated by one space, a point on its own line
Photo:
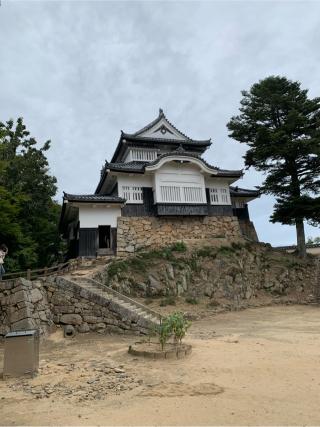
79 72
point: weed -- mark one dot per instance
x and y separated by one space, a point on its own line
169 300
225 250
117 267
191 300
178 247
206 251
212 304
236 246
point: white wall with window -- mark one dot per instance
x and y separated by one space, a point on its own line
131 187
93 215
219 193
179 183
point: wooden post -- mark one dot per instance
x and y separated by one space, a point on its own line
28 274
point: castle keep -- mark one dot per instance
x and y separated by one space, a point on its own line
157 189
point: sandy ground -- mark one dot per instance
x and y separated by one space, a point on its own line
253 367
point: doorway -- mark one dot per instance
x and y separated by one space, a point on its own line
104 236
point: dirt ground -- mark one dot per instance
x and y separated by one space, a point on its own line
253 367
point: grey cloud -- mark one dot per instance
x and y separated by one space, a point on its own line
78 72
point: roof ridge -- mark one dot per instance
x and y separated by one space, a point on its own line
155 121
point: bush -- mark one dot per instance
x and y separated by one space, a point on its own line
169 300
226 250
206 251
117 267
175 325
178 247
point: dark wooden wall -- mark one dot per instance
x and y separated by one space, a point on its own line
241 213
164 209
88 242
147 208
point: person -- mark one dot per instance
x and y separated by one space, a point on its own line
3 253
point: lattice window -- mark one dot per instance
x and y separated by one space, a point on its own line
214 196
143 155
224 196
132 194
170 194
192 194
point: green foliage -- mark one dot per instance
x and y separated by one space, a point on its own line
165 332
28 215
175 325
206 252
178 247
168 300
237 246
117 267
191 300
281 125
315 240
226 250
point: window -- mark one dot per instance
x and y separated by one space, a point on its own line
219 196
170 194
238 205
143 155
224 196
192 194
181 194
132 194
214 196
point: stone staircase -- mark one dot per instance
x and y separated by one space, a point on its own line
145 315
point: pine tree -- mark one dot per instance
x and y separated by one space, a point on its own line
281 125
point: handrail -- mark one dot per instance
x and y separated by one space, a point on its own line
125 298
45 271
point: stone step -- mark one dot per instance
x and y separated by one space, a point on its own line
136 309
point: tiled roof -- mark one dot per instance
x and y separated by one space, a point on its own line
133 166
182 153
189 141
139 167
154 122
244 192
92 198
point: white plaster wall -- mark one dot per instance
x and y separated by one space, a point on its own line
218 183
91 216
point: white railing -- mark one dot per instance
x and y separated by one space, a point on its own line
132 194
181 194
143 155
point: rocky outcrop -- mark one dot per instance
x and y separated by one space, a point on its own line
134 233
234 272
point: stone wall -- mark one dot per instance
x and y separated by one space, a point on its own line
24 305
45 303
86 311
148 232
